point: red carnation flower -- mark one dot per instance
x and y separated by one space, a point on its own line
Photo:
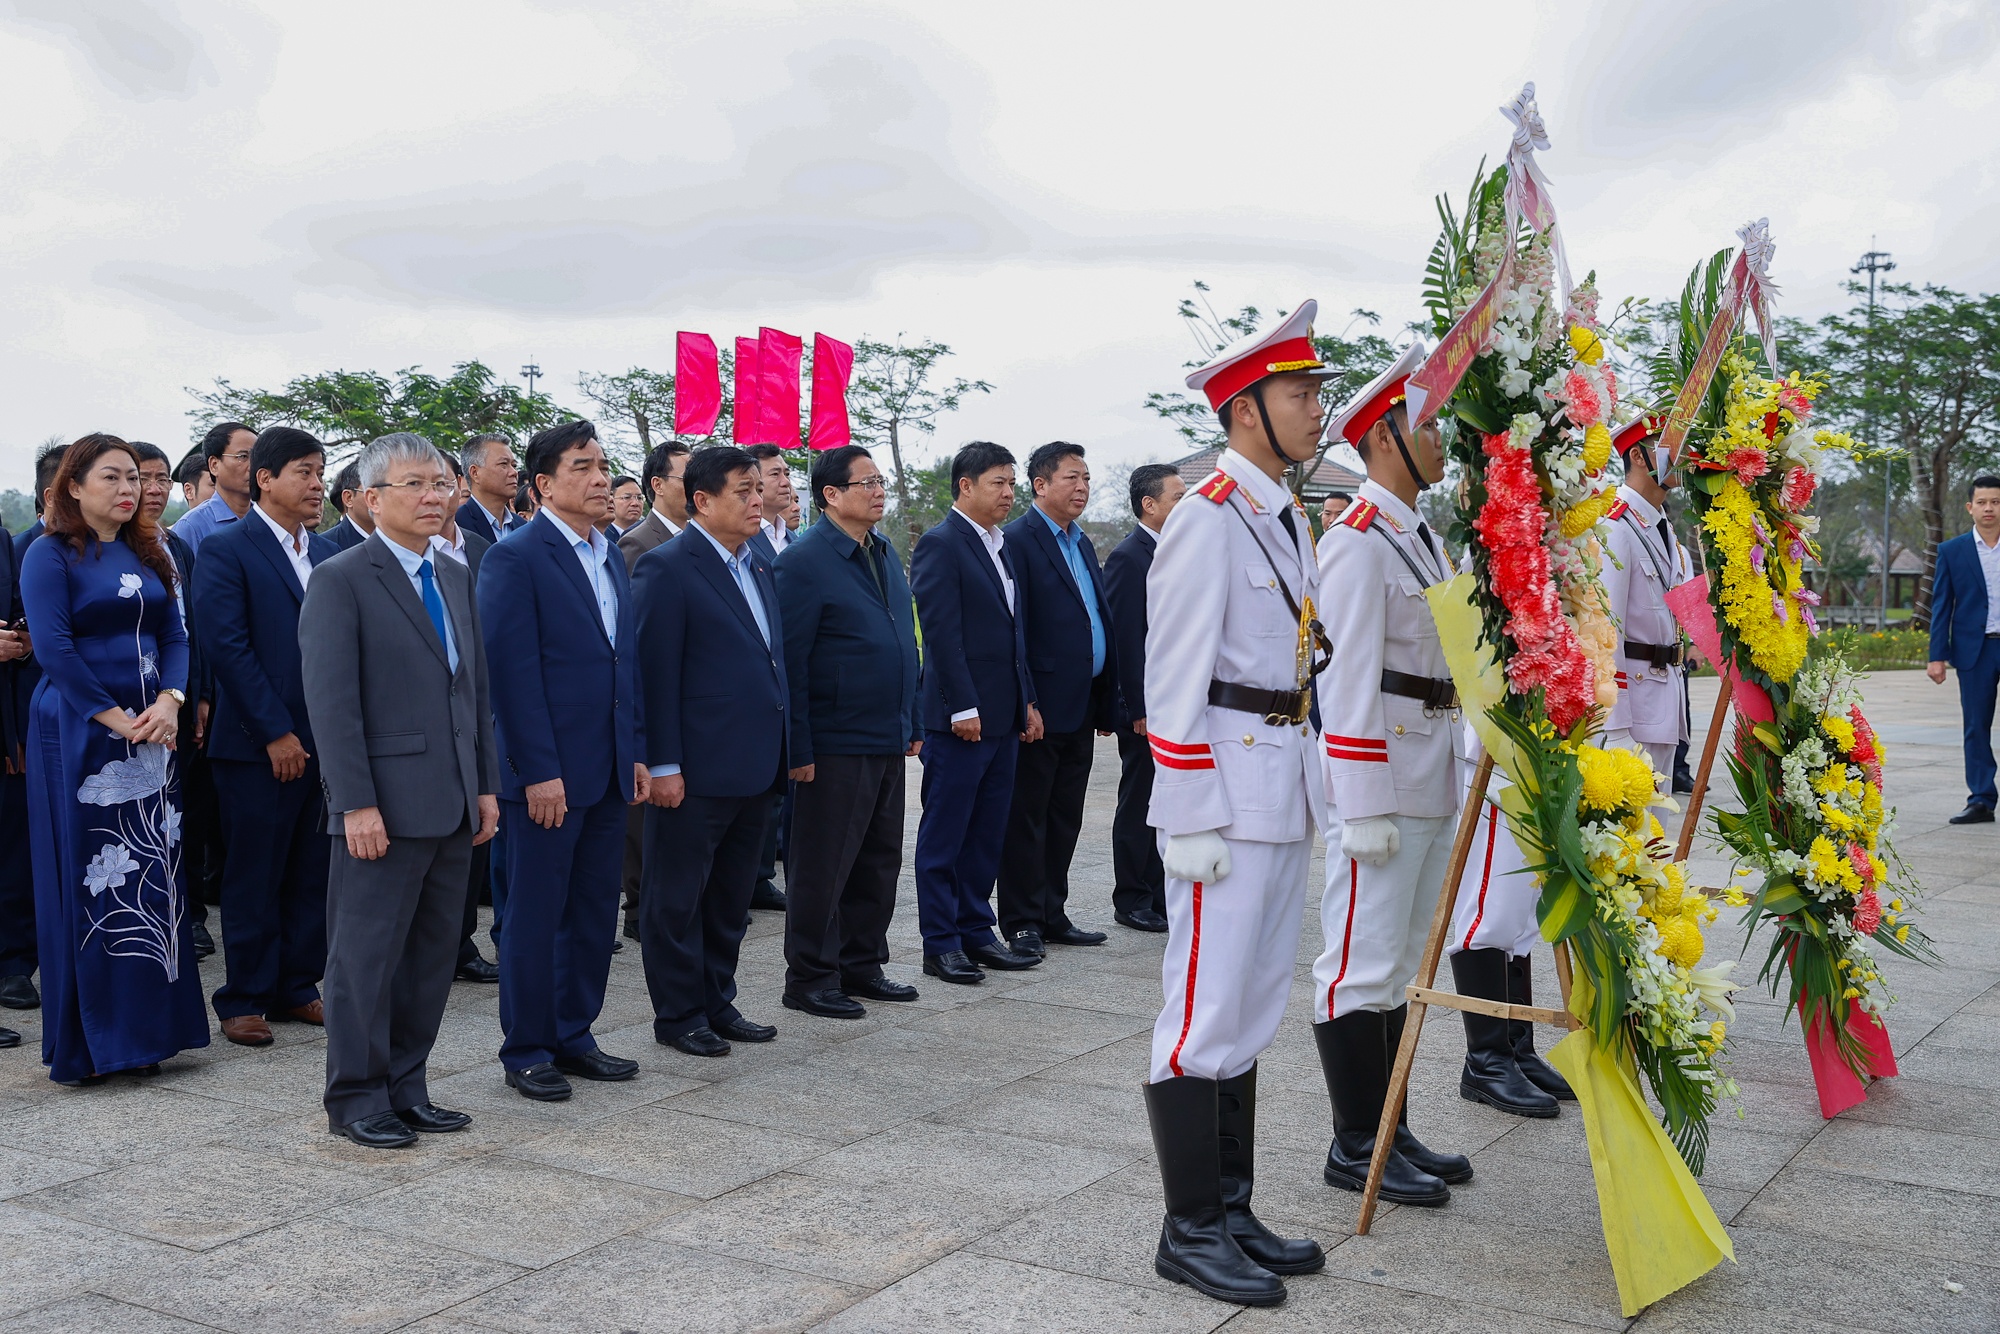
1867 913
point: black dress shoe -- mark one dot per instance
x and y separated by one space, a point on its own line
9 1038
631 929
1003 960
767 897
1141 919
740 1029
695 1042
1029 945
431 1119
597 1065
543 1083
204 943
384 1130
18 992
953 967
830 1003
1973 813
478 969
617 945
879 988
1076 935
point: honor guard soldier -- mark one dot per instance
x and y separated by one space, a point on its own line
1390 716
1232 646
1651 709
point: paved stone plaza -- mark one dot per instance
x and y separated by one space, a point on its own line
980 1161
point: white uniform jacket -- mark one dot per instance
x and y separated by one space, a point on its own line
1217 611
1649 697
1384 754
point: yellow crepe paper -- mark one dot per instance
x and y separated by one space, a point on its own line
1474 669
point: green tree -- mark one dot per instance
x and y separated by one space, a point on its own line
1925 371
635 411
890 393
346 409
1356 359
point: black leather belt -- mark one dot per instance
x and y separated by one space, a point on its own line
1435 694
1279 707
1659 655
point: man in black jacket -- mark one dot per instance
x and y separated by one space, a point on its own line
1066 626
1139 895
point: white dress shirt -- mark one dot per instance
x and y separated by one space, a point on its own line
298 549
673 529
594 554
1989 565
779 536
455 548
993 539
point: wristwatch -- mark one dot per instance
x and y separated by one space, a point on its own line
180 697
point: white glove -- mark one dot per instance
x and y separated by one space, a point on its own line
1200 858
1372 842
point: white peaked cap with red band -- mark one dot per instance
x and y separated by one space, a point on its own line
1284 350
1385 391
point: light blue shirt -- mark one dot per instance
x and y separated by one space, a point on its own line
594 553
746 583
1070 542
412 566
203 520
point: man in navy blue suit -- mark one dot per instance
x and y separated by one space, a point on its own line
713 648
355 524
561 643
1965 633
249 581
977 704
492 477
1073 660
1139 884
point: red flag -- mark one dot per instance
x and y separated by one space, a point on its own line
697 385
833 363
744 429
778 385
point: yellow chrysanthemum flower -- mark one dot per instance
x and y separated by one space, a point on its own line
1603 787
1596 447
1581 517
1841 730
1589 350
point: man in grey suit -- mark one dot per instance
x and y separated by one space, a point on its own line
396 676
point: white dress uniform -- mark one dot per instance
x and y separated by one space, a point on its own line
1649 562
1385 754
1219 612
1495 908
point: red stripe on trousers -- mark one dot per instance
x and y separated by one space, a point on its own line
1194 959
1353 894
1485 873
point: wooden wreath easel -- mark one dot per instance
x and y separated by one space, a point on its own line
1422 995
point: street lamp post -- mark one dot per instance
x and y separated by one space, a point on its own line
1872 263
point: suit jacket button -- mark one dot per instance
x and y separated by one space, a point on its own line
1249 740
454 731
1399 729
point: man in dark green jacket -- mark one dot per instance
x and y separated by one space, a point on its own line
851 659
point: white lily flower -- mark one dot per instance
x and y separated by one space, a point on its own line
1712 984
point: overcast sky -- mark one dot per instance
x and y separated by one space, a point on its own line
255 191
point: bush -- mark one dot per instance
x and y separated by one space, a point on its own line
1878 650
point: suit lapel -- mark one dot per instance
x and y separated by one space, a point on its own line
709 562
262 538
572 569
1052 548
981 557
390 571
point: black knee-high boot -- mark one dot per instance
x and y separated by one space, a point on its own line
1236 1127
1353 1056
1491 1075
1521 1033
1195 1245
1453 1169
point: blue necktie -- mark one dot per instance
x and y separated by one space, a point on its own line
434 604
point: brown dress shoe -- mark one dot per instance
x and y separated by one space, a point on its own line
247 1030
312 1012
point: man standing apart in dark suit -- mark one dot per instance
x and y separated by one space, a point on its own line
1066 624
851 656
560 654
251 579
1965 633
977 705
493 478
395 674
1139 894
712 643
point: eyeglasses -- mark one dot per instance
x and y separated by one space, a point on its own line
419 488
242 456
875 483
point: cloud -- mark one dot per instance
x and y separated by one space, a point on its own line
139 50
216 299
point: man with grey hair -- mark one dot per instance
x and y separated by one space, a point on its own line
492 476
395 678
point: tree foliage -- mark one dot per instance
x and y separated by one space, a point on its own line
347 409
891 392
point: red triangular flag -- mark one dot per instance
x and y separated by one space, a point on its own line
833 364
745 429
778 356
697 385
